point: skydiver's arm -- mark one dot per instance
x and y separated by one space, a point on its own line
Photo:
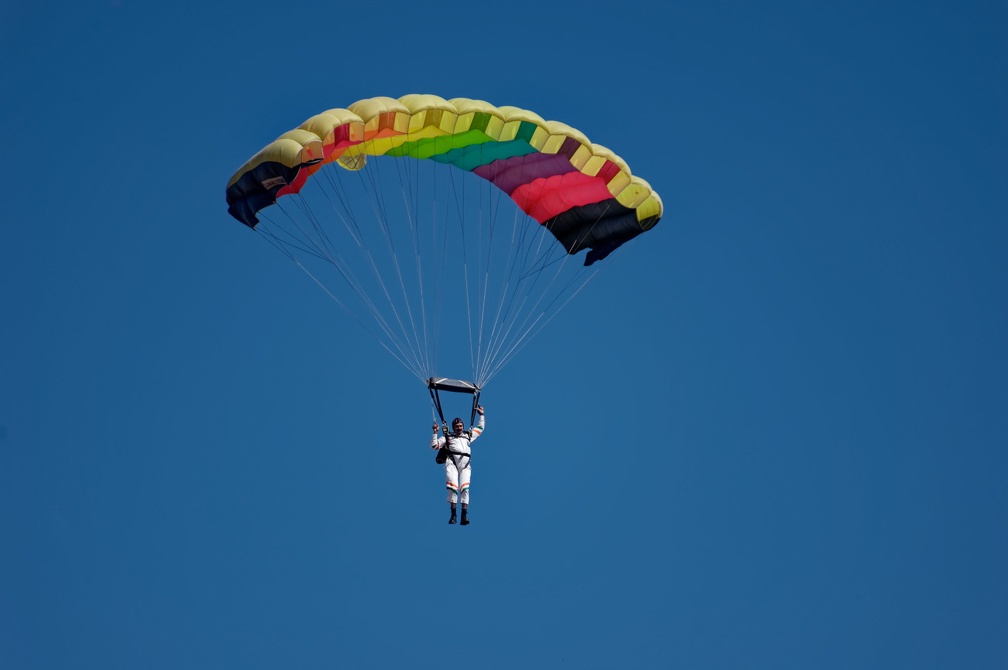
478 428
435 441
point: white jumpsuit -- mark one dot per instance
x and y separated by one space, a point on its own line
457 470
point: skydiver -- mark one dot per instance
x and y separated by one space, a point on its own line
457 470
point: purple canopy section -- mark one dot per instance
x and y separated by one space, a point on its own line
508 174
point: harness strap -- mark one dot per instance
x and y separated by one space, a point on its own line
459 453
458 461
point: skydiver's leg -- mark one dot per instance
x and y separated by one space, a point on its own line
465 475
451 481
452 484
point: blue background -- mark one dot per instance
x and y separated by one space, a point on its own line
771 434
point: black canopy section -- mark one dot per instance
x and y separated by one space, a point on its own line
436 384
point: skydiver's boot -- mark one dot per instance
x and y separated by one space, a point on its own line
451 519
465 516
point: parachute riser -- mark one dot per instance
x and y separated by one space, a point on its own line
436 384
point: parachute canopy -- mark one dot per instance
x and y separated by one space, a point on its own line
583 193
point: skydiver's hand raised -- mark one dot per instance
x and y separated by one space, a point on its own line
479 409
435 428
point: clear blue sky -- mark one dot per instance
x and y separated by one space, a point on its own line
773 433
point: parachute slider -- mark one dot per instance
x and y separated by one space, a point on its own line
452 385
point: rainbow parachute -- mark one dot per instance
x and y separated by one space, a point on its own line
583 193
